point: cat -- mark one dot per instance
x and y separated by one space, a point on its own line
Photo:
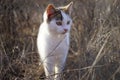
53 39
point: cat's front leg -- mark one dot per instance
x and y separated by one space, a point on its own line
58 72
60 63
49 65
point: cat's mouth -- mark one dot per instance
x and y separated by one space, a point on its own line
65 31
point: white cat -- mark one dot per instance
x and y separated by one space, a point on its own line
53 39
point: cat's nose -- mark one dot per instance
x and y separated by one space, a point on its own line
65 30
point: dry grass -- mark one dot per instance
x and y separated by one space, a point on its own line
95 40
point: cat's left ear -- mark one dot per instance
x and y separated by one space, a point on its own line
69 8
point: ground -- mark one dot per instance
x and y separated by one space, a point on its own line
95 42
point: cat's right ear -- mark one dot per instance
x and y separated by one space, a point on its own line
69 8
50 10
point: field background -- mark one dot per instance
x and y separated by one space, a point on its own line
95 40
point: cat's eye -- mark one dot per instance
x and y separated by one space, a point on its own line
59 23
68 22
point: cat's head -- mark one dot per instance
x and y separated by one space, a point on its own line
58 19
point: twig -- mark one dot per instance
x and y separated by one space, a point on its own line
88 67
99 55
4 51
118 69
50 54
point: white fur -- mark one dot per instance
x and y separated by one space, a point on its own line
53 45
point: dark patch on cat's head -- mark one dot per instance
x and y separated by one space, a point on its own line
57 15
53 13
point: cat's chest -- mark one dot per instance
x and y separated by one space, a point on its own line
60 43
56 44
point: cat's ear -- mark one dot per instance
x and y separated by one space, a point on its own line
69 8
50 10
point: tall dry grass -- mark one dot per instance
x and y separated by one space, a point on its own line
95 42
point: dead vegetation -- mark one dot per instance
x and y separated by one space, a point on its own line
95 40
